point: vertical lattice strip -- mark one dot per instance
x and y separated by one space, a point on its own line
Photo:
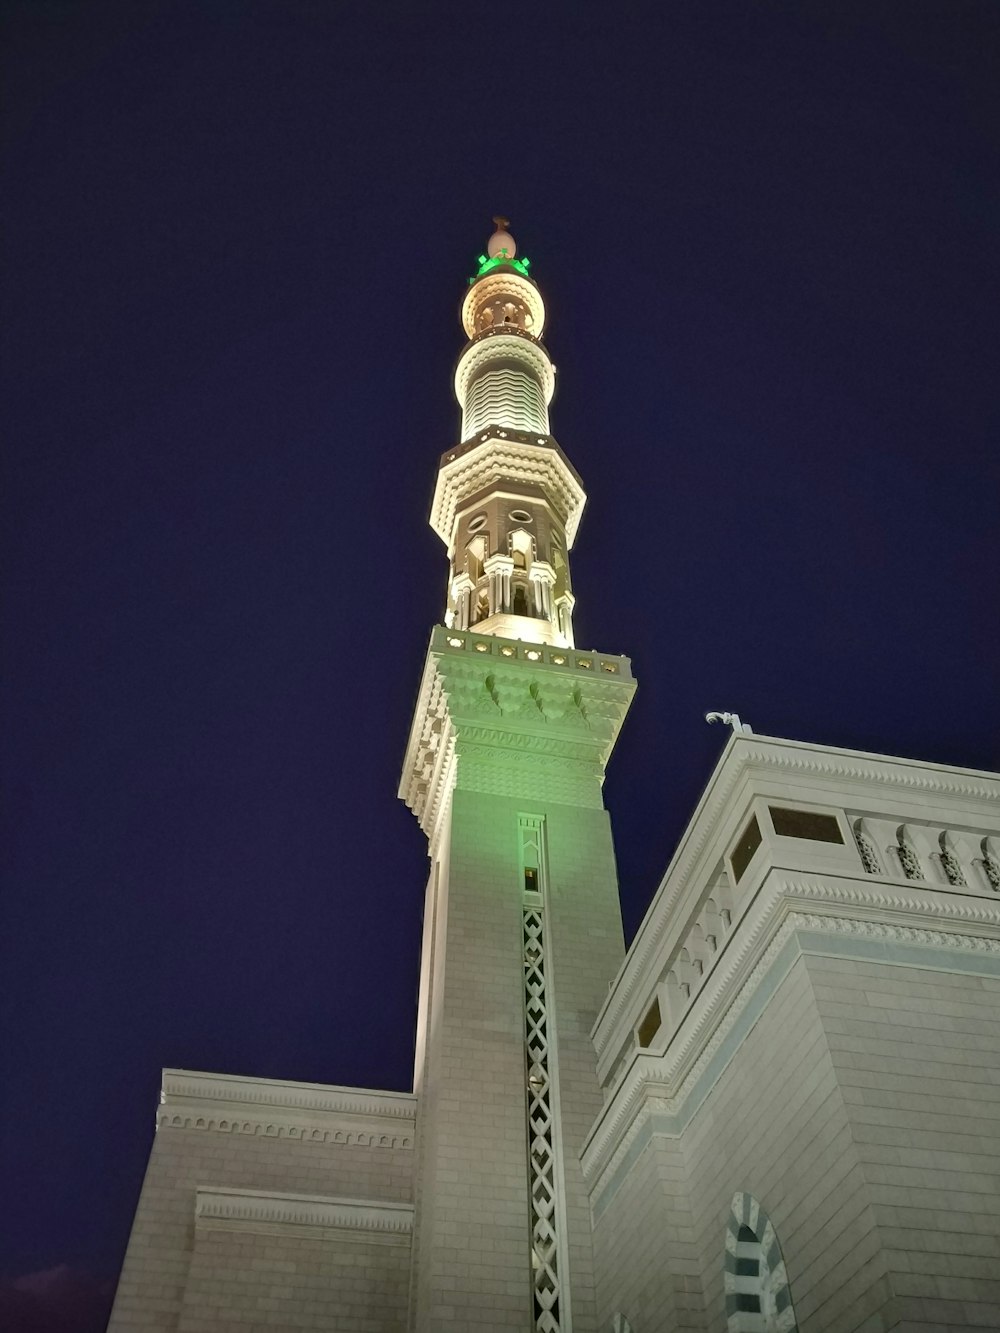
548 1315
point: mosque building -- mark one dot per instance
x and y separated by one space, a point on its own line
779 1109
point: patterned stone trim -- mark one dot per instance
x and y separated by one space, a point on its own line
662 1084
501 283
293 1210
742 755
777 1313
497 456
510 710
511 346
184 1084
308 1112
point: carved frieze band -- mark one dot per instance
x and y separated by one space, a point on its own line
491 710
652 1084
763 756
500 457
295 1210
306 1112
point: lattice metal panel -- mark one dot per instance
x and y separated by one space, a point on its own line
541 1147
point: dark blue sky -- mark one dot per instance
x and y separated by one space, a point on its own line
237 235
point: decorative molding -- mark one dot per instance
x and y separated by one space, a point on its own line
264 1207
509 345
186 1083
751 756
664 1083
907 774
496 456
305 1112
497 285
511 714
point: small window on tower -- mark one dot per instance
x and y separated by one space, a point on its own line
530 879
650 1025
805 824
743 851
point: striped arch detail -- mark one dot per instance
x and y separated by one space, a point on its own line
758 1297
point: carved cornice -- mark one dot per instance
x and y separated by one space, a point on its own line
511 709
254 1208
307 1112
496 456
886 770
663 1083
744 759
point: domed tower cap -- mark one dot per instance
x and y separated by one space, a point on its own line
501 243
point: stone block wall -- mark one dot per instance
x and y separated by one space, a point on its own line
916 1052
776 1126
285 1262
859 1104
645 1260
169 1258
472 1236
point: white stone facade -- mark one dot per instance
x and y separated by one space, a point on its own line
780 1110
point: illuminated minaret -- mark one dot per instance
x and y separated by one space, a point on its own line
507 503
522 930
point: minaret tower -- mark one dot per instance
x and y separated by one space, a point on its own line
507 503
522 929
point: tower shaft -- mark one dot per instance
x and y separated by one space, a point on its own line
522 928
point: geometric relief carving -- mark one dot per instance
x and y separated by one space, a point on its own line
541 1148
270 1129
866 848
543 1195
266 1207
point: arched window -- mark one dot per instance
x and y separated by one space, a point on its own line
620 1324
758 1299
475 554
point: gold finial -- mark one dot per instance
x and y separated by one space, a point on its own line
502 223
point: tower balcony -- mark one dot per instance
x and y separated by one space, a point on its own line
500 455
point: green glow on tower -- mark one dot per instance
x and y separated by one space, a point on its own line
487 265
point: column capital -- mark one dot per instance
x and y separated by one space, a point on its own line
499 563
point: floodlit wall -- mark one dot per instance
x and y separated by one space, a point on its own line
916 1051
315 1182
801 1059
473 1239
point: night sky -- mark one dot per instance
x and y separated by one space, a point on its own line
236 238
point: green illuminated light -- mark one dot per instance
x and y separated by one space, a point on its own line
488 265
